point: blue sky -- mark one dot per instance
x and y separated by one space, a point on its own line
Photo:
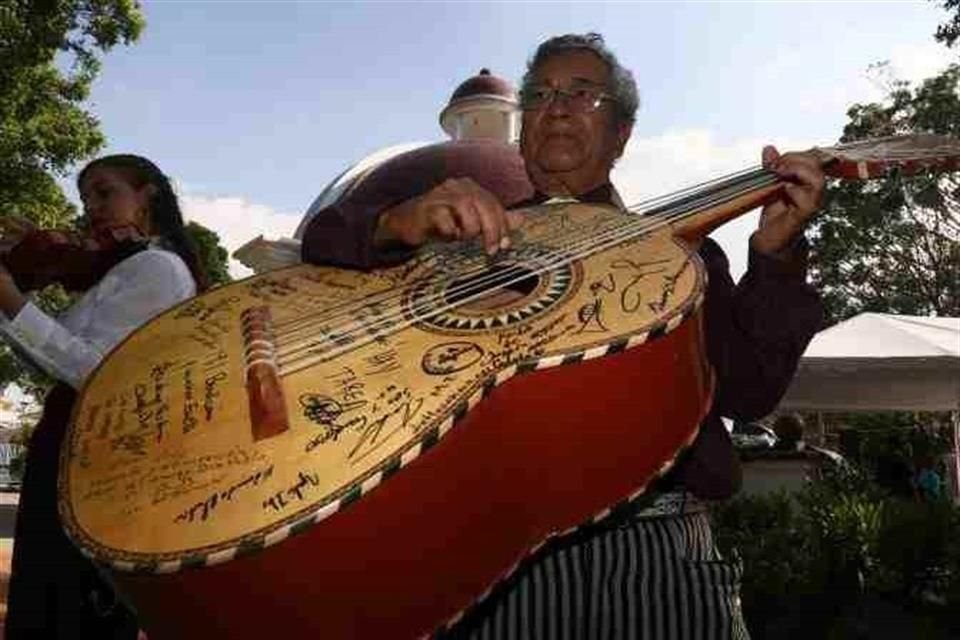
254 106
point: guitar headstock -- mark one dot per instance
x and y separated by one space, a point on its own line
878 157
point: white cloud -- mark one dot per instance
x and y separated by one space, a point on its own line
913 62
237 221
920 60
663 164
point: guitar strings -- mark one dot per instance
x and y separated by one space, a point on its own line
616 231
304 356
651 207
473 290
492 281
648 207
518 272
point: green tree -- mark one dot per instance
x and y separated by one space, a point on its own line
49 58
213 256
893 245
948 32
48 61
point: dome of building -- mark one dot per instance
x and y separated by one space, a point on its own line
482 107
482 114
484 84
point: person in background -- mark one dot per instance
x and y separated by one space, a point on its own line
654 573
927 482
894 466
55 591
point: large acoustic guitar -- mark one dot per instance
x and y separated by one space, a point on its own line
316 452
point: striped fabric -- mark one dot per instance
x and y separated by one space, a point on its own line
8 452
658 578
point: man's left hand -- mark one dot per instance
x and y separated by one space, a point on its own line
783 220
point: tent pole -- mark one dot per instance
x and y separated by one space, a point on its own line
956 454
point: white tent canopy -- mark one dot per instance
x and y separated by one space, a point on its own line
880 362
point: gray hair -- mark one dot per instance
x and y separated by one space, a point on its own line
622 87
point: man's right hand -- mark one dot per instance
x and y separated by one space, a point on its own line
456 209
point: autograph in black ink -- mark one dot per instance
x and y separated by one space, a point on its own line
326 412
591 318
203 509
630 298
450 357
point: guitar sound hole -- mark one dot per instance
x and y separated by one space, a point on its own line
514 283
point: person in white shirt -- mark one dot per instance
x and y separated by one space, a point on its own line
55 591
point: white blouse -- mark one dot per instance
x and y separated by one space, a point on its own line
131 293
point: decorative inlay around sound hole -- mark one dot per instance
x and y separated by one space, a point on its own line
505 293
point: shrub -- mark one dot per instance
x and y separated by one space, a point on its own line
810 558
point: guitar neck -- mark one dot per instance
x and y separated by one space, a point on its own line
696 225
698 212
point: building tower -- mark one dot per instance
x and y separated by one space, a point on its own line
483 107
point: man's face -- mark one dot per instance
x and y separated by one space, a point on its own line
570 151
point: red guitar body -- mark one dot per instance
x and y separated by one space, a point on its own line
534 456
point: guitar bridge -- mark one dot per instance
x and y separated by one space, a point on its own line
268 409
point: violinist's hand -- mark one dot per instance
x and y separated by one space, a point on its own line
456 209
12 230
783 220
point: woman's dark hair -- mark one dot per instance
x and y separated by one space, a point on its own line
165 216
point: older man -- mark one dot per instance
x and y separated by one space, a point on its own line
655 573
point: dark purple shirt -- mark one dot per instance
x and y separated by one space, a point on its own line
342 234
756 329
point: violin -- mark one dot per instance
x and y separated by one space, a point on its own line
75 260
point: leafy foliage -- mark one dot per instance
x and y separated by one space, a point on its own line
48 60
44 128
29 378
213 256
49 57
815 559
949 31
893 245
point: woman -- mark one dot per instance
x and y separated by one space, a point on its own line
54 590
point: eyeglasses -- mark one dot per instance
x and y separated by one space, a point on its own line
579 99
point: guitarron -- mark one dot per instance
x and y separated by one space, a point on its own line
367 454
